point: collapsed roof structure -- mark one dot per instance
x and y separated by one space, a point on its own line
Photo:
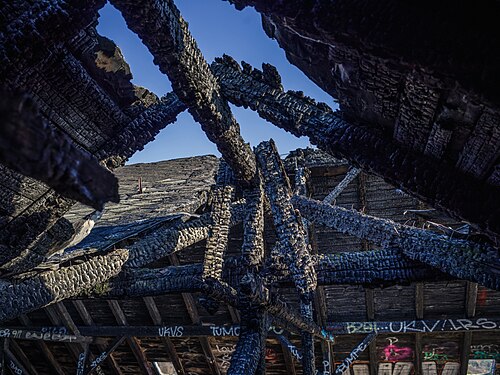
273 262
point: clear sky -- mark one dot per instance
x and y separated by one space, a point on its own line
218 28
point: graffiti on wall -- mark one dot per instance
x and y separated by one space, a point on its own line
395 353
440 353
487 351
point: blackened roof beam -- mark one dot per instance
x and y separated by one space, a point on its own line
30 146
440 185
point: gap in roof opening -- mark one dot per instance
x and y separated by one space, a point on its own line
218 28
144 72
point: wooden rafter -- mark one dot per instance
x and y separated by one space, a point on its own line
87 319
426 178
155 315
192 310
133 342
44 348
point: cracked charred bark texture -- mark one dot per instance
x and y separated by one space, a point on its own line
292 236
141 131
373 268
431 181
168 240
250 350
220 220
31 147
54 286
289 229
62 234
24 231
24 39
166 35
370 268
459 258
306 308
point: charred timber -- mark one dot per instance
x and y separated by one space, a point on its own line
292 245
168 240
188 279
41 23
369 268
141 131
250 349
176 53
30 146
429 180
219 231
54 286
439 326
459 258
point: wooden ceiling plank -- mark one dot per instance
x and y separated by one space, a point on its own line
87 319
19 353
14 364
155 315
133 342
192 310
104 355
43 347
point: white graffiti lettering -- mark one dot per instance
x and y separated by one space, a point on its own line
225 331
173 331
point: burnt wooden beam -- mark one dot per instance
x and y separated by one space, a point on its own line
104 355
87 319
416 326
349 177
306 307
30 146
371 268
141 131
40 335
134 344
168 240
292 246
290 348
53 286
217 241
470 312
465 354
155 315
360 348
194 315
83 357
431 181
74 350
459 258
59 314
470 299
419 313
418 353
45 24
452 325
177 55
249 355
287 356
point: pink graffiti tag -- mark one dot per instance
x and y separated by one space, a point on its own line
395 353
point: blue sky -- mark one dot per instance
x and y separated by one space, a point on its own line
218 28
